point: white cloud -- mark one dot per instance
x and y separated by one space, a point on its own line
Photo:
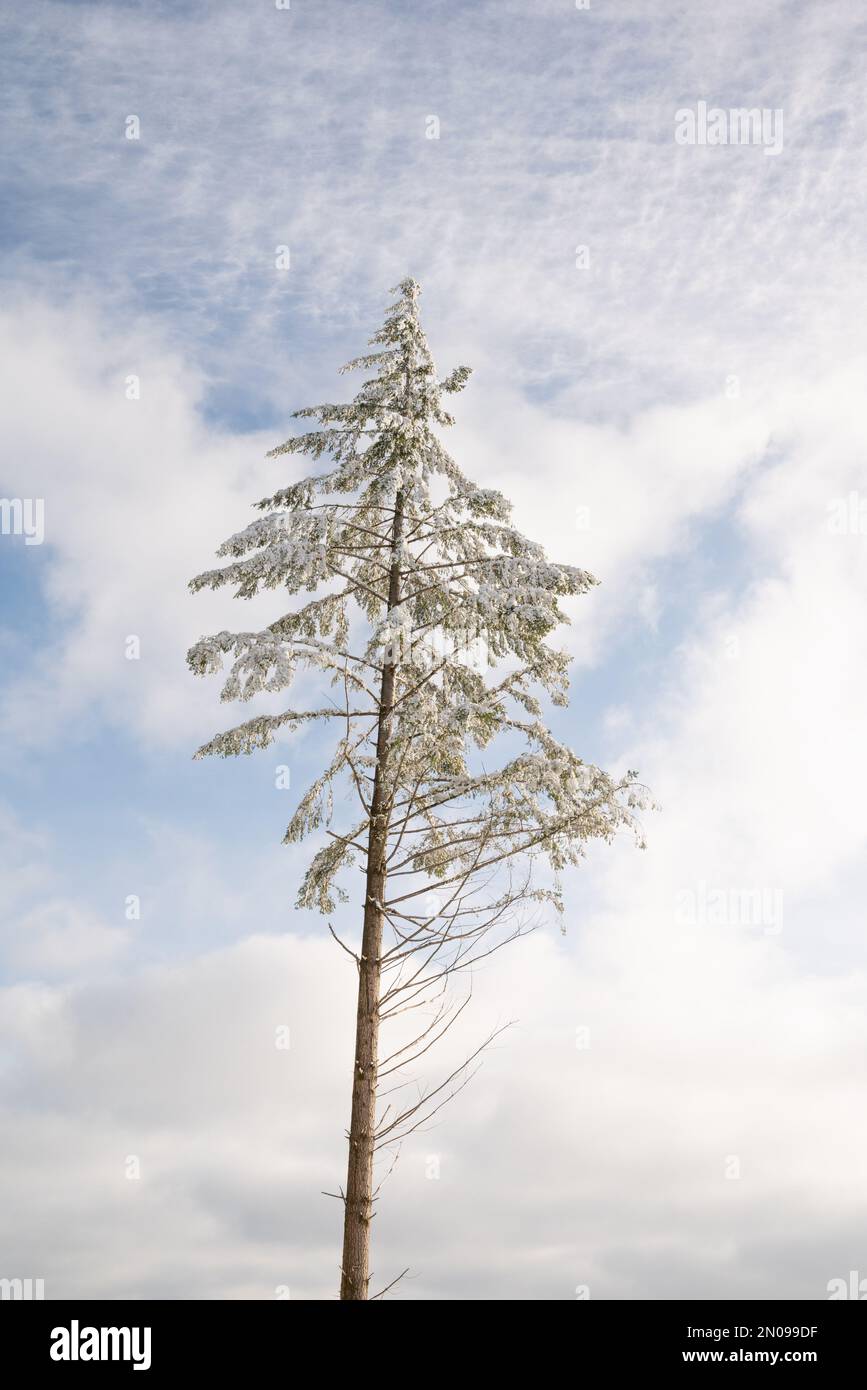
58 938
603 1165
138 494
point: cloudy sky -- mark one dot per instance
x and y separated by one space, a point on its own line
669 342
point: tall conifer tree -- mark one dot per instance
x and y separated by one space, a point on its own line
429 621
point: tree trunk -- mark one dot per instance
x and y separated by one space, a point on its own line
358 1203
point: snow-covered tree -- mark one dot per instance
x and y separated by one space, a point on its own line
428 619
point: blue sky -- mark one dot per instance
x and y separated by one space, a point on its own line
678 415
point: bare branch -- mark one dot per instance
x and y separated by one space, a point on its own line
384 1291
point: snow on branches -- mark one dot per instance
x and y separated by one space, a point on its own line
467 579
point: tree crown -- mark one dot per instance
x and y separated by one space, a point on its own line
414 571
